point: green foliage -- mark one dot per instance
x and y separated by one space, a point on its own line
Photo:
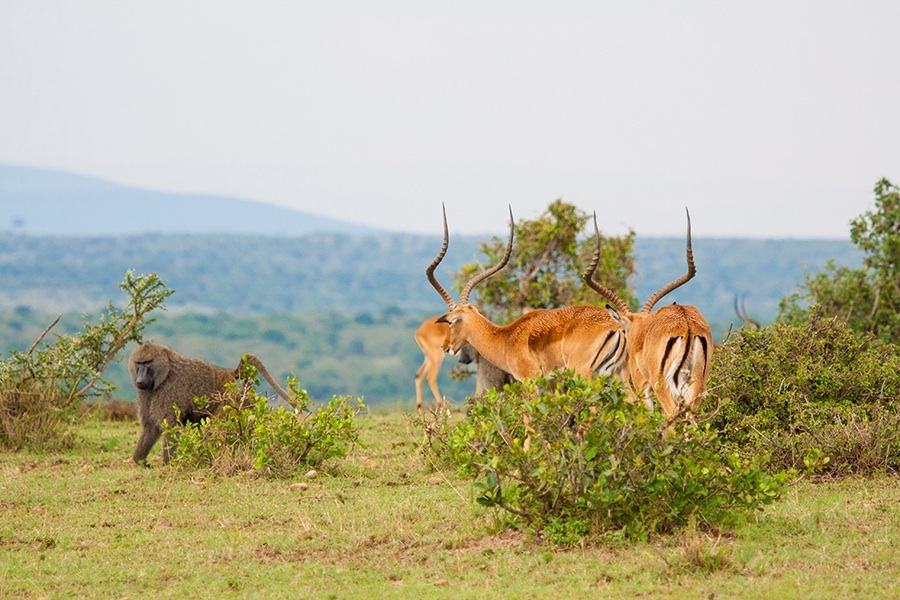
569 456
546 265
868 299
42 388
811 395
251 436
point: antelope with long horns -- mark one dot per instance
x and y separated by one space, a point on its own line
587 339
669 351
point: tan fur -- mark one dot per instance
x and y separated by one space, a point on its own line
587 339
165 379
669 353
431 337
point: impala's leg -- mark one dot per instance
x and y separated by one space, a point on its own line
432 381
666 400
429 371
699 373
637 382
420 375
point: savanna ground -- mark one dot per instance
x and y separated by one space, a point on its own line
383 523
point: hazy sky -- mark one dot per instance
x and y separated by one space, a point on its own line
764 118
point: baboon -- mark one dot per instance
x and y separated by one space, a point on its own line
488 376
164 379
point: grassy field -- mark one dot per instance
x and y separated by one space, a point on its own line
382 523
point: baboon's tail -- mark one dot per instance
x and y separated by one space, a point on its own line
256 362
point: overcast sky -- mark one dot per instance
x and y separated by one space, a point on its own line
766 119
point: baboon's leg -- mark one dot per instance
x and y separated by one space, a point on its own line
149 434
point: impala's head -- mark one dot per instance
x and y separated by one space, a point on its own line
458 319
459 312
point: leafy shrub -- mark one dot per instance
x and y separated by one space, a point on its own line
250 436
811 395
570 456
42 388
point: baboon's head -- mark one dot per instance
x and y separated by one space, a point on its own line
149 366
467 354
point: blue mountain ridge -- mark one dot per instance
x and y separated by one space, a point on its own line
40 201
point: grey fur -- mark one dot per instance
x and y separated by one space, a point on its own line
164 379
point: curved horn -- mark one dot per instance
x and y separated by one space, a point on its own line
464 294
588 276
429 272
741 311
648 306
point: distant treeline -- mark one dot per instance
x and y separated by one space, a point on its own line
350 274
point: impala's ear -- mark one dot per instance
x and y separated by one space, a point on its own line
618 318
450 318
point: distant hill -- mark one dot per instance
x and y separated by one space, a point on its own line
46 202
360 273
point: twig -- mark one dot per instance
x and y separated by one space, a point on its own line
44 333
444 477
110 354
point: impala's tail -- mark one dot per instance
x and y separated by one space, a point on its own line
685 368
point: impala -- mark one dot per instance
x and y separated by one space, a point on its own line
669 350
432 339
587 339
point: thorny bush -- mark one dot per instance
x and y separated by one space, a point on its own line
813 395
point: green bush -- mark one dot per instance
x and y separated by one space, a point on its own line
868 298
248 435
813 395
42 389
571 457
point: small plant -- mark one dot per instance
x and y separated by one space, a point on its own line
42 388
250 436
701 554
569 456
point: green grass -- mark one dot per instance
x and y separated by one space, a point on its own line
382 523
